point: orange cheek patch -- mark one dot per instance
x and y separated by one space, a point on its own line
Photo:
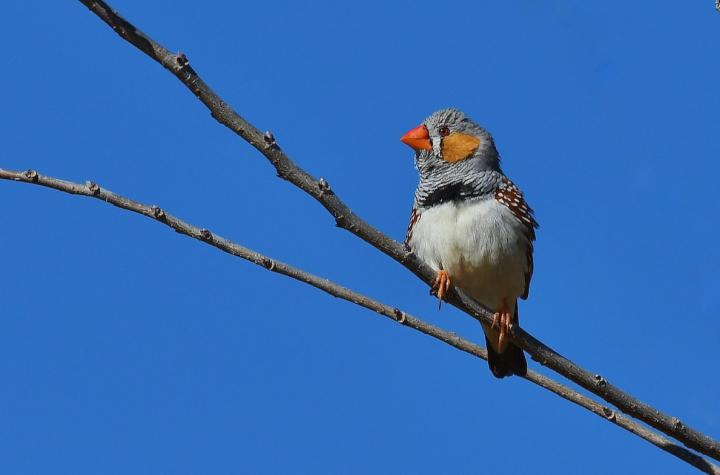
457 147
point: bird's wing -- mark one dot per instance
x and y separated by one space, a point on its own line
414 216
509 195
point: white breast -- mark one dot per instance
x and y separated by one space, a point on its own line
481 244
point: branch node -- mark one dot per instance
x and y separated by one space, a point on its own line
609 413
399 316
600 381
158 212
31 175
181 60
340 221
323 186
677 424
93 187
269 264
269 139
206 235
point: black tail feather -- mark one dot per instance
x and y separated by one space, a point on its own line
509 362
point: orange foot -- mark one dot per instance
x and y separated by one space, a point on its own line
441 285
504 321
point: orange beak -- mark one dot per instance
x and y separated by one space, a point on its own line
418 138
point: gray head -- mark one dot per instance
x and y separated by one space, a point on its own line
455 157
448 140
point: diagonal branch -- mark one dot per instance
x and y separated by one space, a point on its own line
179 66
92 190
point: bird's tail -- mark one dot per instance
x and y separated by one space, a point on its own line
509 362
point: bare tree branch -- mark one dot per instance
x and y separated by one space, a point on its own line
93 190
179 65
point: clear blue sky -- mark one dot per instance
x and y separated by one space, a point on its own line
126 348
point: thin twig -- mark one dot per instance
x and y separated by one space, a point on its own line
93 190
179 65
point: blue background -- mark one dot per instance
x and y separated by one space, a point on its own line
126 348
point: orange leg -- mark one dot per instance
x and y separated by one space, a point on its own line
441 285
503 320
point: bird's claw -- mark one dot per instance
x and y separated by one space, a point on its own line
504 322
441 285
496 320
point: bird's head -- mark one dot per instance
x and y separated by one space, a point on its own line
448 141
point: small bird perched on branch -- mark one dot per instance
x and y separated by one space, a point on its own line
472 225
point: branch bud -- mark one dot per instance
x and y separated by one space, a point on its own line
269 139
93 187
323 186
181 60
31 175
158 212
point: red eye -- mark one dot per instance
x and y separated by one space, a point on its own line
444 131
